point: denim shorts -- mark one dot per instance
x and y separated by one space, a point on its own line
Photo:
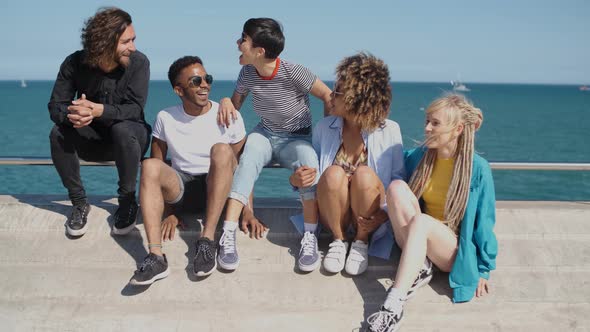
193 191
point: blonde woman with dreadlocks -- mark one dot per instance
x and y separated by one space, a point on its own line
360 152
445 215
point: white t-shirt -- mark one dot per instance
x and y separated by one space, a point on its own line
190 138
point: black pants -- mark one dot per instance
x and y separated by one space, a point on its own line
124 142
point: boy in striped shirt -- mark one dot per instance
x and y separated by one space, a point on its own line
280 95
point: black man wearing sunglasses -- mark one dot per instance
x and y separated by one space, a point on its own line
204 156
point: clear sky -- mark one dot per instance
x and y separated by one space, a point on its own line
528 41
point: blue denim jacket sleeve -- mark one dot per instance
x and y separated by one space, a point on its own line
485 219
398 169
315 140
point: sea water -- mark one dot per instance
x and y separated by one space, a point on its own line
522 123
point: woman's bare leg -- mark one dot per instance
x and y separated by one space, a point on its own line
366 196
402 206
334 201
426 237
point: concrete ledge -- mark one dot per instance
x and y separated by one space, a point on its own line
51 283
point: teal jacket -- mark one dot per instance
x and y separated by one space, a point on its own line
476 255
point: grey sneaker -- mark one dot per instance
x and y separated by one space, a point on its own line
227 257
309 256
204 262
152 268
423 278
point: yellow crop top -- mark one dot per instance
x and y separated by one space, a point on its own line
435 193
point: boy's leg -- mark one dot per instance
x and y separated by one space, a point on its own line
159 184
299 152
219 179
257 153
294 154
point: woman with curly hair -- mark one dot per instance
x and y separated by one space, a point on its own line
446 213
360 152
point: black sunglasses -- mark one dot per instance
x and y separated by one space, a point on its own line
243 38
195 81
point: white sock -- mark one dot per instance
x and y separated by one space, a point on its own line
230 225
310 227
395 299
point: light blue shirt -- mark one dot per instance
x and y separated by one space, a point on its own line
385 158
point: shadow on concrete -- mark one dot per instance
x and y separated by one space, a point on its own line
131 290
192 221
370 288
440 284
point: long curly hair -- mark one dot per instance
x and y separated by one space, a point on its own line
459 110
364 81
101 33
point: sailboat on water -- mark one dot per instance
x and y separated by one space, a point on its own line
458 86
23 84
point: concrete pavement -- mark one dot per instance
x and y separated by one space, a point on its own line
51 283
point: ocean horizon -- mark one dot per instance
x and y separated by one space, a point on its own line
573 84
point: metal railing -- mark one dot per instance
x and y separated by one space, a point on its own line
529 166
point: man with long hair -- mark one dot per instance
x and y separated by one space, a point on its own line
97 105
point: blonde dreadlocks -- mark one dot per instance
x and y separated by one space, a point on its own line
459 111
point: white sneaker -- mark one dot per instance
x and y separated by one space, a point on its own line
336 256
358 258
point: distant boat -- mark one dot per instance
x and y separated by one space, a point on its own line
23 84
585 88
458 86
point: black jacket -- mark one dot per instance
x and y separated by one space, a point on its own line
122 91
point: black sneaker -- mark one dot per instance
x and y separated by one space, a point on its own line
125 217
385 320
204 262
423 278
152 268
77 223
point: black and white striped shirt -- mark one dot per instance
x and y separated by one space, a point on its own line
282 100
